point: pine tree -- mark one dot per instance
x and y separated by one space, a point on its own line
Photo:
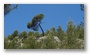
47 32
71 34
8 8
15 33
80 32
36 34
23 35
49 43
35 23
10 37
53 31
29 43
60 33
73 38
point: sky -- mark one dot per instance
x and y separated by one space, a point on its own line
54 15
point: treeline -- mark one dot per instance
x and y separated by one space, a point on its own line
72 38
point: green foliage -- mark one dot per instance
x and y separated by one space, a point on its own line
80 32
23 35
50 43
36 34
30 33
72 38
53 31
60 33
15 33
35 23
5 43
13 44
10 44
71 34
29 24
47 32
37 18
31 43
10 37
8 8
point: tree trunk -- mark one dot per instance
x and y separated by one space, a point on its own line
41 29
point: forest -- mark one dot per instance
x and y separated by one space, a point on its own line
72 38
53 38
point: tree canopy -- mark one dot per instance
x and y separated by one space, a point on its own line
72 38
82 7
35 23
8 8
